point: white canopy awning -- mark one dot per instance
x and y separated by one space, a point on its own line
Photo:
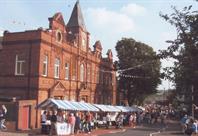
59 104
123 109
89 106
83 106
66 105
107 108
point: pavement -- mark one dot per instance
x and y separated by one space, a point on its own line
173 129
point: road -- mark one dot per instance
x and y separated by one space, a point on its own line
173 129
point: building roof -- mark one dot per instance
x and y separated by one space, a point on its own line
76 19
98 45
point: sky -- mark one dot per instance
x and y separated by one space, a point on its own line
106 20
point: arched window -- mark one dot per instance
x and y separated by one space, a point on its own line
82 72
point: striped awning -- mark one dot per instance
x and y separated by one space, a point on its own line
66 105
59 104
89 106
83 106
107 108
123 109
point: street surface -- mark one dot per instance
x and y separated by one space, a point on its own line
173 129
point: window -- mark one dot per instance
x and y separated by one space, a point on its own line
84 41
83 44
45 65
66 71
88 73
82 72
58 36
19 66
56 68
74 64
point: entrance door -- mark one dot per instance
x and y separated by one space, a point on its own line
25 117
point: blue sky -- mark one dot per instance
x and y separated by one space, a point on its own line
106 20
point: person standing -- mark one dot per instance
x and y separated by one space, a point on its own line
43 123
53 124
108 119
88 120
131 120
183 122
77 123
195 128
72 121
3 111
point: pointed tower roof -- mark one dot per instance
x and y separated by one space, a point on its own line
76 19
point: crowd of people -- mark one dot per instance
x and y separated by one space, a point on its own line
85 122
78 121
189 125
151 115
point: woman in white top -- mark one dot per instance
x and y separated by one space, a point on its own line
44 117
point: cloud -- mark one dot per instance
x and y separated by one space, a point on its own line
1 32
108 20
133 9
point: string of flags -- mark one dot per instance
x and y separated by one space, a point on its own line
127 69
118 72
130 76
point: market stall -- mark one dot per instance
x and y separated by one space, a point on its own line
108 113
64 128
103 114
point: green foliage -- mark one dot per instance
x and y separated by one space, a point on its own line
184 49
141 65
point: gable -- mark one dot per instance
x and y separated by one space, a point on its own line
59 18
58 87
57 21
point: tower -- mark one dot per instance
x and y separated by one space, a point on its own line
76 27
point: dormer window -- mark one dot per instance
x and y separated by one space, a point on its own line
84 41
59 37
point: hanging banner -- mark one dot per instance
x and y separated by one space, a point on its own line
63 129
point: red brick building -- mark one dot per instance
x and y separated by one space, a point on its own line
56 62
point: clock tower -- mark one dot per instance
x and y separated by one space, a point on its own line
77 28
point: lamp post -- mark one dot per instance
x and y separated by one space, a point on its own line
164 96
192 89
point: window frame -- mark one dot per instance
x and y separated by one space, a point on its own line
82 73
88 73
67 71
21 64
45 62
57 68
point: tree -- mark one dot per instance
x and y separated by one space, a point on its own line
139 69
184 50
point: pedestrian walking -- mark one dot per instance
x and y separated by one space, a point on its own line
3 111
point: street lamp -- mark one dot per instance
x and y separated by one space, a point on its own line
193 105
